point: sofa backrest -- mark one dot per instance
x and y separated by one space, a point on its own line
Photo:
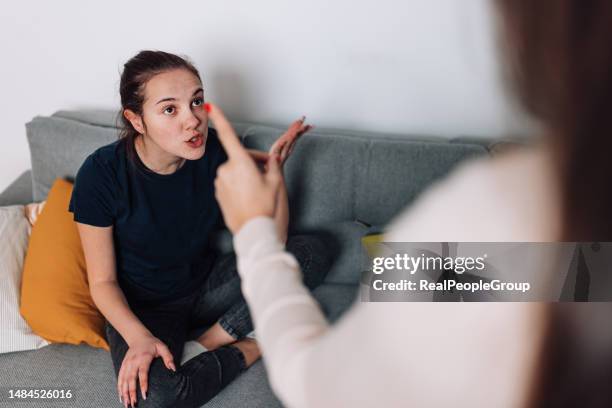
334 176
338 180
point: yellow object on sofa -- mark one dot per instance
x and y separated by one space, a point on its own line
371 241
55 299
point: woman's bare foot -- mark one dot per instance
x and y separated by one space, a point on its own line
215 337
250 349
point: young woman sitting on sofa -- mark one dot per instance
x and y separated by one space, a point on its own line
146 211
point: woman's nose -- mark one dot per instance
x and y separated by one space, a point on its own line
192 121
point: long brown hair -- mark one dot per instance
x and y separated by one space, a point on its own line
559 55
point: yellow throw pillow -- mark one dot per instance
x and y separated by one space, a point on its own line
55 299
370 243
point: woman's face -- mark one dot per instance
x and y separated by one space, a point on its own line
173 113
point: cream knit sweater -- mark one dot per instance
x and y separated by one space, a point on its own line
409 354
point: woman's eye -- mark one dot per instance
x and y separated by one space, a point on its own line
197 102
169 110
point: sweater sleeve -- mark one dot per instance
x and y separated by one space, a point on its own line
384 353
381 354
287 319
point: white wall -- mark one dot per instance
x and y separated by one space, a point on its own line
391 66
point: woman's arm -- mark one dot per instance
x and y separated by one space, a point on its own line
282 148
99 254
143 347
281 217
381 354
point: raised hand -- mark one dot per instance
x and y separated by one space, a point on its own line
241 188
284 145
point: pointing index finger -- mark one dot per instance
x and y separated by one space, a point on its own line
225 131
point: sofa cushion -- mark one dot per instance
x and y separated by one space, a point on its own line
84 370
19 192
251 389
58 147
344 240
96 117
89 373
394 174
335 298
341 175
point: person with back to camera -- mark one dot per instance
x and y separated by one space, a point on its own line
457 354
145 210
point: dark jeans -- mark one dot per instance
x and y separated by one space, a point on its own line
218 299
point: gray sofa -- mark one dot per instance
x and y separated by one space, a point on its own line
343 182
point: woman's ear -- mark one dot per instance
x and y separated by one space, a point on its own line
135 120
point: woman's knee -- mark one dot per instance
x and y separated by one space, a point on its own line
314 254
194 383
163 388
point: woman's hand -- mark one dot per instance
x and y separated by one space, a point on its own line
136 364
281 214
284 145
241 188
260 158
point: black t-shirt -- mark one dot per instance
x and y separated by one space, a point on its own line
162 222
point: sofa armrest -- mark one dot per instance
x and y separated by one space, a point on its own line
19 192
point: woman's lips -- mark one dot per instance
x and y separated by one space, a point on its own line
198 141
